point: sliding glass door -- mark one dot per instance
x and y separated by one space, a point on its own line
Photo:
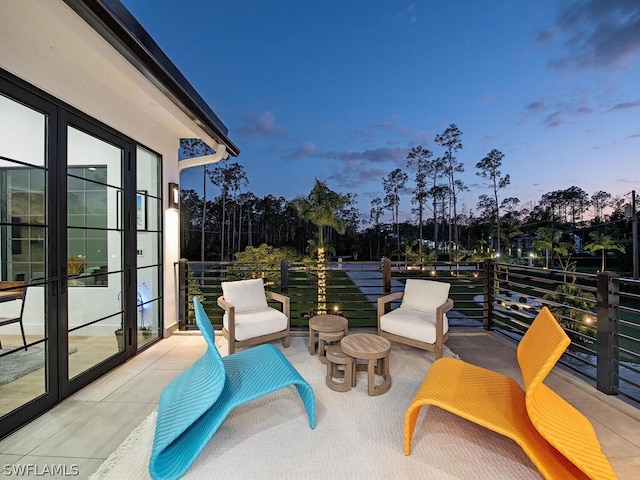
80 251
94 258
24 260
148 246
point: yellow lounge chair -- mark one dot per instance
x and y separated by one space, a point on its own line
558 439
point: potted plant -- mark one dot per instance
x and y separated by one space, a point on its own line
120 338
146 332
143 329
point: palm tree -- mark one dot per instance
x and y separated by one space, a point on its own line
320 207
545 242
551 242
408 253
510 230
604 242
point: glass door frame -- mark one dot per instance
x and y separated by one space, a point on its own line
128 219
18 92
58 116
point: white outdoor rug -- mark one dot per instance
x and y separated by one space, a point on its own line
356 436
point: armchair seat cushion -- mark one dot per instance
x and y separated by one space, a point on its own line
255 323
412 324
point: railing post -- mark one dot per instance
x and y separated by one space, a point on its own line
489 293
386 281
284 277
183 283
608 303
386 276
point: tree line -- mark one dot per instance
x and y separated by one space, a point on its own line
561 224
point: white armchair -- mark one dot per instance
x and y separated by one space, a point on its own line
420 321
248 319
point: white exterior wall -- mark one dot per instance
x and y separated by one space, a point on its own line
46 44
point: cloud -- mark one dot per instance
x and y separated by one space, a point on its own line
631 181
375 155
349 168
273 149
534 109
408 13
478 186
488 98
545 36
375 150
582 110
595 34
371 155
423 137
357 173
537 106
625 106
388 127
391 133
260 126
308 150
554 119
374 132
553 113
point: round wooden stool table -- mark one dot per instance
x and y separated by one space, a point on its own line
375 350
335 358
324 341
325 324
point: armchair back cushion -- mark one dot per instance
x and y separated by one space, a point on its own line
245 295
424 295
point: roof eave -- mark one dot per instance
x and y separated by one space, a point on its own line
116 25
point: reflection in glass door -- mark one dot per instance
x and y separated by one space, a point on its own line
24 374
95 265
80 275
148 245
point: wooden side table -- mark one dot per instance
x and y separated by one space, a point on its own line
336 358
375 350
325 339
325 324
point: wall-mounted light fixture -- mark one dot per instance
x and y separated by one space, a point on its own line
174 196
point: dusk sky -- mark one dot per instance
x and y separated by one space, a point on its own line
341 90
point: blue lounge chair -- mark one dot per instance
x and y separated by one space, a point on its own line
194 405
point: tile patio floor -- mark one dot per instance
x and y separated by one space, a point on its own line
84 429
